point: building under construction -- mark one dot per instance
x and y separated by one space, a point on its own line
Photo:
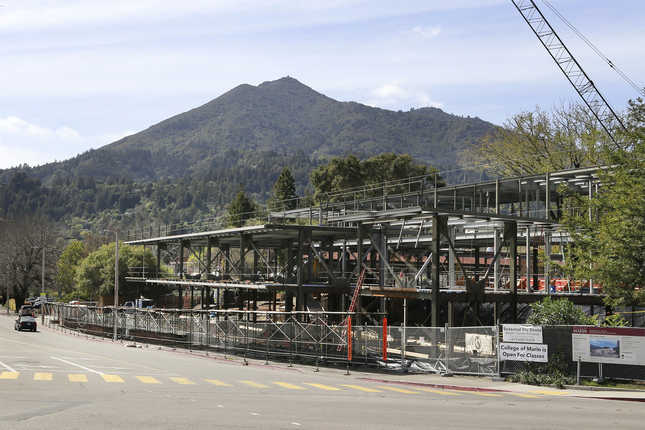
430 249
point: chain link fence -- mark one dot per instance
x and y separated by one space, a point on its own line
325 337
559 341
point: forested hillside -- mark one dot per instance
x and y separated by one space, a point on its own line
191 165
282 116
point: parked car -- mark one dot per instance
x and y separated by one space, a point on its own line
26 323
26 311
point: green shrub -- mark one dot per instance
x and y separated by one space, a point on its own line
554 373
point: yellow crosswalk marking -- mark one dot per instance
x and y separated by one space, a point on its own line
324 387
442 392
148 379
112 378
528 396
183 381
366 389
254 384
9 375
219 383
289 386
77 377
43 377
400 390
486 394
551 393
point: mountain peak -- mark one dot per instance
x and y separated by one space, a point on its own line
282 116
287 80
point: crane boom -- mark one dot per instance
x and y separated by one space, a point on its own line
568 64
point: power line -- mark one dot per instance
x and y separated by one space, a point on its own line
596 50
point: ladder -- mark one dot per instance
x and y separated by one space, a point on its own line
352 307
187 303
357 291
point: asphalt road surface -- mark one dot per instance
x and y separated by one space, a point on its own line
50 380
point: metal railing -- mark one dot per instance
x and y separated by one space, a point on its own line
323 337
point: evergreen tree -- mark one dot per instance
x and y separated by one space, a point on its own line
241 208
284 192
342 174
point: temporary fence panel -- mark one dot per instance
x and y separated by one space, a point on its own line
471 350
314 338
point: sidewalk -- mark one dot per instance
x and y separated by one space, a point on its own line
462 382
486 384
429 380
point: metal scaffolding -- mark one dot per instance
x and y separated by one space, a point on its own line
474 243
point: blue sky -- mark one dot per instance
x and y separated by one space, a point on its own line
79 74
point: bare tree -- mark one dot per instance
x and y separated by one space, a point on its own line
24 240
566 137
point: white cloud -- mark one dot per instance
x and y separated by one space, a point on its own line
397 96
24 142
82 71
13 127
67 133
389 91
16 127
426 32
425 101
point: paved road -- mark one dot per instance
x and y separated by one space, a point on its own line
58 381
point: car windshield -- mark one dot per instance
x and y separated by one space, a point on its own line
27 319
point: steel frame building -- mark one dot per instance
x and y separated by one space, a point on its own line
480 232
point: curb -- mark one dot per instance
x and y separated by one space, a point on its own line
592 388
465 388
437 386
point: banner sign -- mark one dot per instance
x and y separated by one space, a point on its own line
618 345
524 352
522 333
479 343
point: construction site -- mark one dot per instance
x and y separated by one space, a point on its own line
429 256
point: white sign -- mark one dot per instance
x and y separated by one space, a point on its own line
524 352
481 343
620 345
522 333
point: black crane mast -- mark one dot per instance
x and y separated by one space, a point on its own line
568 64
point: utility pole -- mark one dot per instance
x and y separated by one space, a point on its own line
116 286
42 293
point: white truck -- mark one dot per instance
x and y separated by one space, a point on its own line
141 303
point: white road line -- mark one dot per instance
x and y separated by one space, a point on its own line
7 367
78 365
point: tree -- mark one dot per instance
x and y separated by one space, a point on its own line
284 192
567 137
67 265
344 174
241 208
558 312
390 167
95 275
24 240
609 229
338 174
